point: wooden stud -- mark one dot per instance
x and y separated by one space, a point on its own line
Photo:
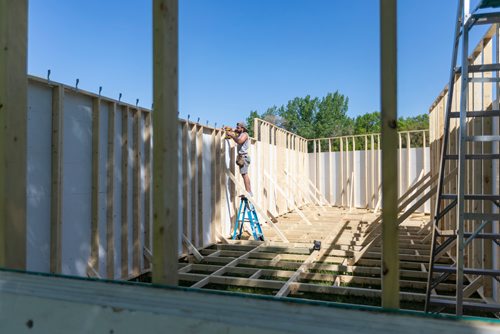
372 169
110 194
94 234
124 194
213 188
57 179
165 124
219 176
185 181
13 132
136 196
330 172
232 186
408 160
388 42
487 170
194 190
342 190
147 186
199 153
400 164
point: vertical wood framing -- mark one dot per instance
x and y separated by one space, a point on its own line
136 195
223 183
57 172
94 234
165 124
185 182
330 172
477 187
367 187
232 186
213 190
487 169
372 168
342 190
199 154
13 132
124 195
390 242
347 172
408 160
110 194
192 177
353 173
400 164
218 188
147 187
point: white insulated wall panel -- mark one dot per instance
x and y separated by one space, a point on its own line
39 148
77 177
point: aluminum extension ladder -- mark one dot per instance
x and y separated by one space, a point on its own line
439 271
247 213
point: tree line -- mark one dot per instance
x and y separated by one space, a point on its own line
327 117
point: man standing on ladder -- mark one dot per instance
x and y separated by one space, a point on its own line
240 136
246 212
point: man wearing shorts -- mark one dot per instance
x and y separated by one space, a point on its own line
243 160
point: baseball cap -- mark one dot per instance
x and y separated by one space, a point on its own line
242 124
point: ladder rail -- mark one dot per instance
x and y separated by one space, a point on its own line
461 172
456 41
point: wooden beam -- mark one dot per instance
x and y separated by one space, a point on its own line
13 132
94 234
290 202
110 194
57 172
136 194
147 186
193 176
165 124
124 194
191 248
388 42
199 152
185 180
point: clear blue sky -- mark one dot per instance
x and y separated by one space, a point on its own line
241 55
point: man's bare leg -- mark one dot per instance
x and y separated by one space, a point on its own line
246 180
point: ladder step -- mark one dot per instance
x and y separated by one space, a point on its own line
450 233
482 138
472 271
445 210
466 304
474 156
479 197
481 80
490 113
485 18
483 68
481 216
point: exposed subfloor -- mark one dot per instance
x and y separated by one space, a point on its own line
346 269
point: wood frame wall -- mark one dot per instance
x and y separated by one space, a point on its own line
482 175
13 132
371 168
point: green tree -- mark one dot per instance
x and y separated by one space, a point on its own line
367 123
331 117
249 120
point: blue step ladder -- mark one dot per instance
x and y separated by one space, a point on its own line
247 214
